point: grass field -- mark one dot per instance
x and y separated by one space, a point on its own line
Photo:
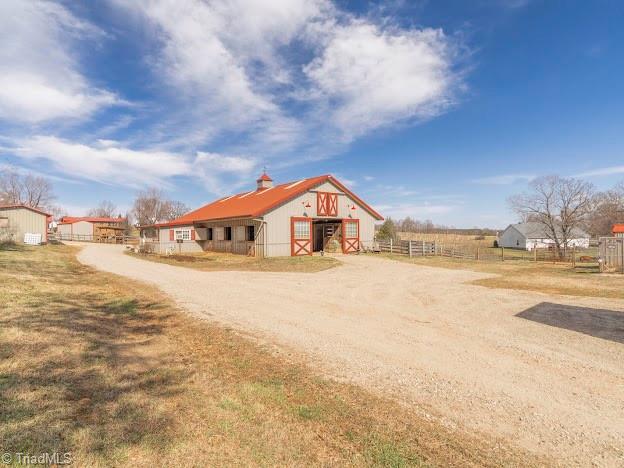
109 370
584 280
449 239
214 261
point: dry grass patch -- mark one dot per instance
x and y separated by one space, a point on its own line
549 278
107 369
216 261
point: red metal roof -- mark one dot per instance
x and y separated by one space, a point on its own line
618 228
265 176
258 202
90 219
36 210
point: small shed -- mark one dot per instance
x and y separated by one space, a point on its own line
89 228
18 220
618 230
533 235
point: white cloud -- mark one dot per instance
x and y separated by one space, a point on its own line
504 179
291 74
108 162
414 210
39 76
213 168
605 171
373 77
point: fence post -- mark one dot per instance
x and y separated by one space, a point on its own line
478 253
574 256
502 254
435 248
535 253
391 245
409 247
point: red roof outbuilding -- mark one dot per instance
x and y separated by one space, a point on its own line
21 205
618 229
90 219
256 203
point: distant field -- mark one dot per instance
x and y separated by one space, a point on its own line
449 239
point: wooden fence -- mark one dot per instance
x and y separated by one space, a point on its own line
612 254
124 239
416 248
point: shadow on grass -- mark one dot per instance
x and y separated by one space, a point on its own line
600 323
78 378
11 246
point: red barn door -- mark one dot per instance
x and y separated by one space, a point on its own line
300 236
350 235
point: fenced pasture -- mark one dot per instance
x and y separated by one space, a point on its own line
449 239
482 250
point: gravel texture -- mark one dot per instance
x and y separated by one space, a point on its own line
424 336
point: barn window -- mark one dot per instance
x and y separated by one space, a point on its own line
209 234
183 234
351 229
302 229
251 233
228 233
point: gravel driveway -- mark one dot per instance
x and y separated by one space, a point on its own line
422 335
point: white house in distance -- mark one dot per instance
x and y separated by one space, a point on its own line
295 218
529 236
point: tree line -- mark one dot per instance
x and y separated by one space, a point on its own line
562 205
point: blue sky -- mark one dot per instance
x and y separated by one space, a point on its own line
436 110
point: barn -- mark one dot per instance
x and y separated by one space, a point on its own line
291 219
532 235
18 220
618 230
88 228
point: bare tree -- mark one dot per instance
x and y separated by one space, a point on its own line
29 190
106 209
560 204
608 209
152 206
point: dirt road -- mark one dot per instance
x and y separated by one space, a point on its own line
422 335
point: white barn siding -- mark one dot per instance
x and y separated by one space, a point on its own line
22 220
80 230
278 220
64 231
165 244
513 239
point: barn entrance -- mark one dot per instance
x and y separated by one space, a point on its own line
327 235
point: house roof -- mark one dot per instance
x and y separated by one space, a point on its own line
618 228
90 219
534 230
256 203
26 207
